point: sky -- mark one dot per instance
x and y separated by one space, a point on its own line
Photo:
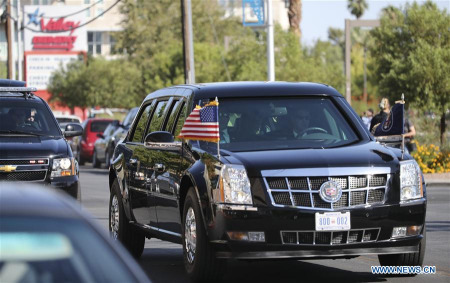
318 15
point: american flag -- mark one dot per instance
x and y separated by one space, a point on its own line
202 124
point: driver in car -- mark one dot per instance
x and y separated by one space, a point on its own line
20 119
300 122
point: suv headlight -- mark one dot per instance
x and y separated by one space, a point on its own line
235 185
410 180
63 167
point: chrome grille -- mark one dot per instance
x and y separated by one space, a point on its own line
377 181
303 192
329 237
301 199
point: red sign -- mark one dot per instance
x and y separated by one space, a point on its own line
56 42
59 25
53 42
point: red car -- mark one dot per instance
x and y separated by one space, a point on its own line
92 127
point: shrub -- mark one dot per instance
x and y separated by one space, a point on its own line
431 159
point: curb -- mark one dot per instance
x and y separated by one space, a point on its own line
436 184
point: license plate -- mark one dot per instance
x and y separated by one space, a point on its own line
330 221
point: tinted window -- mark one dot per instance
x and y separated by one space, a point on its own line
139 130
158 117
173 115
180 121
57 250
68 120
99 126
130 117
27 116
282 123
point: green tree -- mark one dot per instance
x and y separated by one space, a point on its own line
412 51
99 83
357 7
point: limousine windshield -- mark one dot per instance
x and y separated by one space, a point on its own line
282 123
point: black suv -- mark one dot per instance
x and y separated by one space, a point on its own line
32 146
298 176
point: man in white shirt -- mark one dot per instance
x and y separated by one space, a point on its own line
300 122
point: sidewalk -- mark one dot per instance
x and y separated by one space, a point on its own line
437 179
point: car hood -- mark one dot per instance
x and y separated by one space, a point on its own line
30 146
370 154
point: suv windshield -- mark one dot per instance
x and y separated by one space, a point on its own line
20 116
282 123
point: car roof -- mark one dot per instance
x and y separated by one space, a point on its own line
29 199
253 89
11 83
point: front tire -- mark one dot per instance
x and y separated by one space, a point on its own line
131 237
409 259
95 162
200 261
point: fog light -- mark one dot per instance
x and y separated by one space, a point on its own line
399 232
238 236
413 230
256 237
247 236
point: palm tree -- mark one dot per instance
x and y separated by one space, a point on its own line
357 7
295 16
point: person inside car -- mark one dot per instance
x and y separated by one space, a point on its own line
21 119
300 122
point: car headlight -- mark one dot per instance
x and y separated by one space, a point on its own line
235 185
63 167
410 180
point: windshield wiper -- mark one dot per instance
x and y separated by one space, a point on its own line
19 133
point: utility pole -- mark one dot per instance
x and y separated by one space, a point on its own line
270 48
19 43
188 42
9 39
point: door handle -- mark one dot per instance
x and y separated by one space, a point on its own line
159 167
133 160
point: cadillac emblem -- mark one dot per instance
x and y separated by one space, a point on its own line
7 168
330 191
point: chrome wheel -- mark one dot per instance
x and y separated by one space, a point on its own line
190 234
114 217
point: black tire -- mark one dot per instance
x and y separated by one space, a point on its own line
130 236
80 158
95 162
204 266
409 259
107 159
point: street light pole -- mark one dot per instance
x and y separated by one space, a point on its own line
10 40
19 43
188 44
270 47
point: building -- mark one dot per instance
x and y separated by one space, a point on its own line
56 32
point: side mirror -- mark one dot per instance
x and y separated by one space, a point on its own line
100 136
73 130
159 137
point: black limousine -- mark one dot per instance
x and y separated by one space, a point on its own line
295 175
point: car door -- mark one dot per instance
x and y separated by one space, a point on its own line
167 173
137 177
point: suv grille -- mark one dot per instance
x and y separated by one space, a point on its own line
329 237
303 192
23 161
23 176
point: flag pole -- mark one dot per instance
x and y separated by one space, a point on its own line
218 142
403 135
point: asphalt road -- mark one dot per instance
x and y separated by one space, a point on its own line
163 261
